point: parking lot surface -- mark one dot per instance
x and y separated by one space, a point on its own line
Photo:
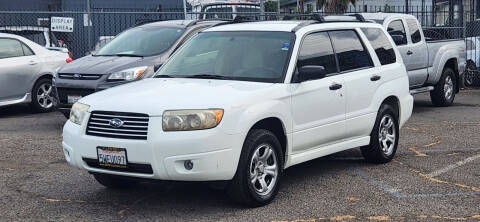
435 176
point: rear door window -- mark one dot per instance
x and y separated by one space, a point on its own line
414 30
317 50
10 48
380 43
396 29
350 51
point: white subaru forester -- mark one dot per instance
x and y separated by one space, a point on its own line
242 102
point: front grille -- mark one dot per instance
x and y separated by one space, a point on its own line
64 92
135 125
77 76
131 167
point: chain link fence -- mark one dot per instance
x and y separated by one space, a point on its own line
92 30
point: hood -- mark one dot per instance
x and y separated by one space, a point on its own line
153 96
108 64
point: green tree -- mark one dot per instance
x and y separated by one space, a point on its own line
271 6
335 6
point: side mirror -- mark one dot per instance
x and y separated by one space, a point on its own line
398 39
310 72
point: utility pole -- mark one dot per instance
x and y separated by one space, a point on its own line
185 9
89 26
262 9
278 6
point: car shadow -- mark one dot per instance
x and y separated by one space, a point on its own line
185 197
15 111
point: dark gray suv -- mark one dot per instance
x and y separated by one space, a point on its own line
132 55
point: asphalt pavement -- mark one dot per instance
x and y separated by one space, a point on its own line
434 176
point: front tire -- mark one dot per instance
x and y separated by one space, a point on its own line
114 182
444 92
42 96
384 136
259 170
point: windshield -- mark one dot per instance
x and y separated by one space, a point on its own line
142 41
249 56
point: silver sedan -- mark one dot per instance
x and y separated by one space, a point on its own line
26 72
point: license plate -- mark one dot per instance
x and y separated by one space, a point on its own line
112 157
73 98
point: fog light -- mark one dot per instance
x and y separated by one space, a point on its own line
188 164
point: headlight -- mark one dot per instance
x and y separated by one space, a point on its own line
77 112
130 74
183 120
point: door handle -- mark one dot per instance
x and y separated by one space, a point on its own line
375 78
32 63
409 52
335 86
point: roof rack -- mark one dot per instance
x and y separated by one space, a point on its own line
194 22
316 18
237 19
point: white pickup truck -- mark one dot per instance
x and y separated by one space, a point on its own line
434 66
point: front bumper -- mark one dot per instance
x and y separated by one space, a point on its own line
214 153
65 87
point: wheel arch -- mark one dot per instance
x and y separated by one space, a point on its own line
277 127
40 77
394 102
453 64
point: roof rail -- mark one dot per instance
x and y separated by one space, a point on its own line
194 22
237 19
316 18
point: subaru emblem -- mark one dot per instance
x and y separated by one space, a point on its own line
116 123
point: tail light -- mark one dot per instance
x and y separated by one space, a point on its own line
68 60
70 54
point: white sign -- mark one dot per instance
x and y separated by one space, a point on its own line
86 21
61 24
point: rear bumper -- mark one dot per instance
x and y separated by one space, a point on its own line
406 109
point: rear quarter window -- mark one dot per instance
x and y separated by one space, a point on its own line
396 29
382 46
350 51
414 30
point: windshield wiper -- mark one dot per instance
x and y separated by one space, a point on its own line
206 76
164 76
129 55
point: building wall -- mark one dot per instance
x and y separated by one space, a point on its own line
370 5
81 5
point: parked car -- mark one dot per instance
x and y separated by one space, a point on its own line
242 102
40 35
433 66
134 54
472 74
26 71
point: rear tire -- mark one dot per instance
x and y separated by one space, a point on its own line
471 74
42 96
444 92
384 136
114 182
259 170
